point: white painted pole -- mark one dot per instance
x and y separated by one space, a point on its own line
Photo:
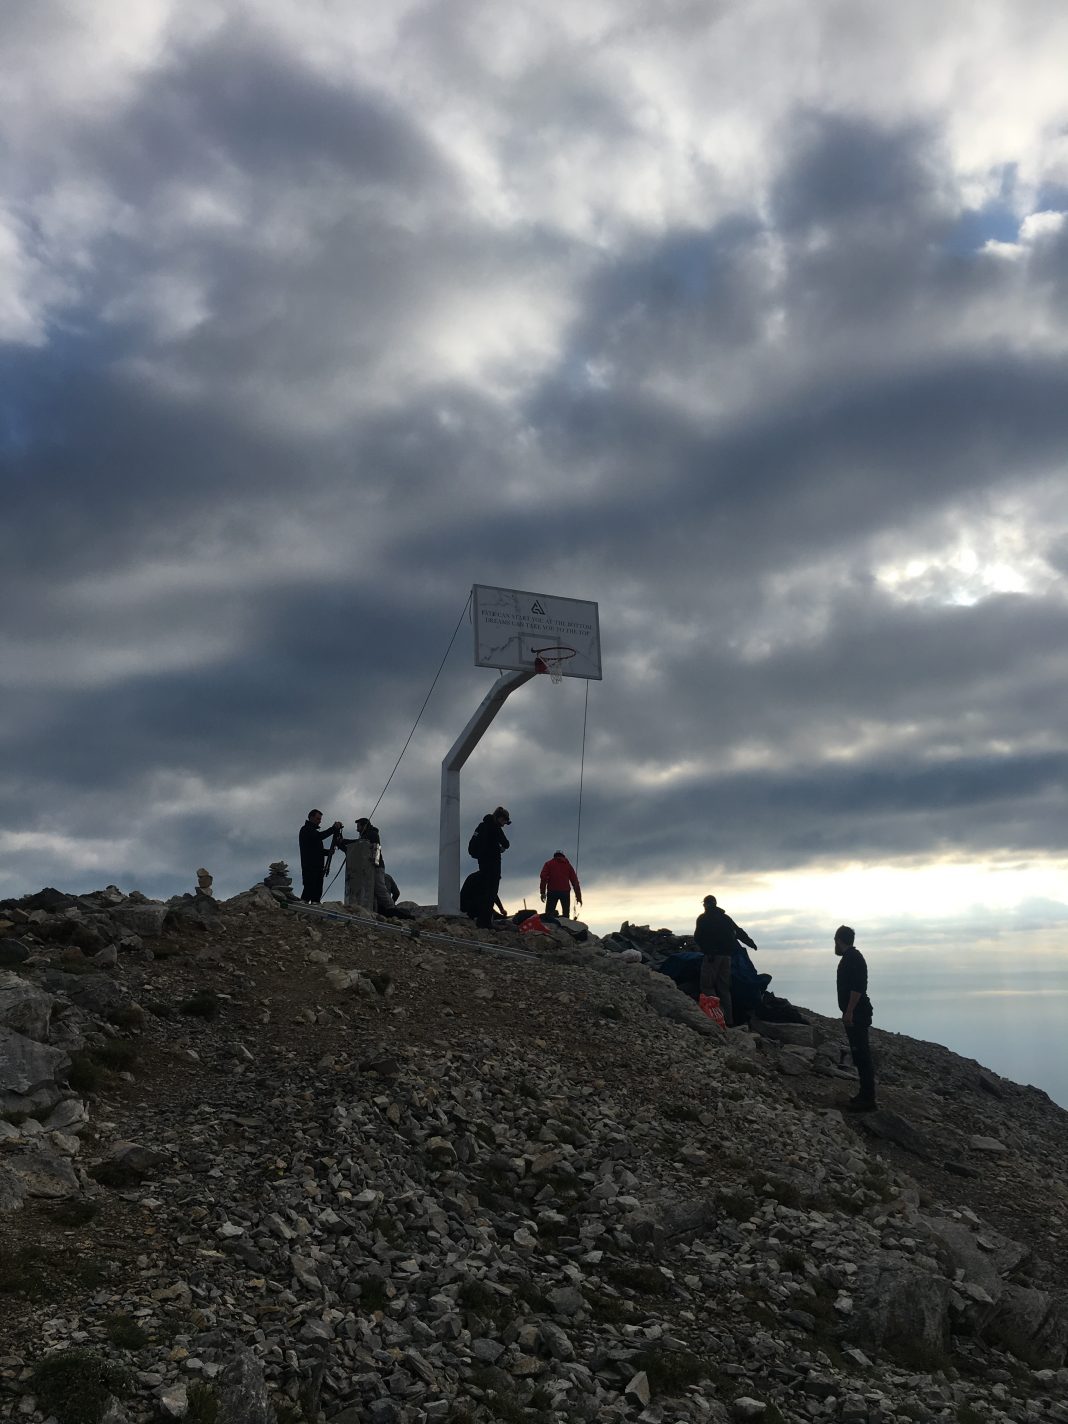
468 740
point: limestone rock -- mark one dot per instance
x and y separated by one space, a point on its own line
28 1072
24 1008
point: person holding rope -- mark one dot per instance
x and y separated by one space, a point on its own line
313 855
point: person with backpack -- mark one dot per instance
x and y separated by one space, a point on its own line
486 845
557 878
715 935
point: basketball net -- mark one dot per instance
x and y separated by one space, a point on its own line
551 660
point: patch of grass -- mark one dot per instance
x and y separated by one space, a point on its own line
671 1371
203 1004
968 1414
75 1385
203 1405
792 1259
35 1273
645 1279
124 1331
21 1272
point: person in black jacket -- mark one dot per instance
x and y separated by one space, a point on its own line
486 845
313 855
715 935
856 1015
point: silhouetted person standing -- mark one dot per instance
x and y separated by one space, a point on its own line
557 879
715 935
313 853
487 845
856 1015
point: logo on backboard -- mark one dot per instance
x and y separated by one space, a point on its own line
536 607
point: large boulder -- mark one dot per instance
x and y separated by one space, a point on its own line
24 1008
900 1308
242 1392
144 920
1032 1324
984 1263
28 1073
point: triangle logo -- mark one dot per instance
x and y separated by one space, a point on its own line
536 607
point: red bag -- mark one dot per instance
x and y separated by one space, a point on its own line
709 1004
533 925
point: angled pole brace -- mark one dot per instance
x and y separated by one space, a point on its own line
468 740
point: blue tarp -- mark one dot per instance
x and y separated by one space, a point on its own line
747 986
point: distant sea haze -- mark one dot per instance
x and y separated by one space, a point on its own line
1007 1011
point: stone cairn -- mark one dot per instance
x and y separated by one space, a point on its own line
205 880
278 877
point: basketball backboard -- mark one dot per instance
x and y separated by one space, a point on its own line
512 628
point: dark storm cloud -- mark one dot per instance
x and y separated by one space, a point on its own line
331 355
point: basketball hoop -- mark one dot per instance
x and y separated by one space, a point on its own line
551 660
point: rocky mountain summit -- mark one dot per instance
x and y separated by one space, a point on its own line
260 1164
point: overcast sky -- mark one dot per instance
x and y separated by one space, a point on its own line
746 319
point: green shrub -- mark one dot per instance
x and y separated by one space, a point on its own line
75 1385
204 1004
124 1331
84 1072
203 1404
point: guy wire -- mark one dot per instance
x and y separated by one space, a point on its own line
582 770
426 699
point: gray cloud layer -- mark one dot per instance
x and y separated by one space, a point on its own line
306 332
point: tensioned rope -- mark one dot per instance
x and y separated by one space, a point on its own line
415 724
582 771
426 699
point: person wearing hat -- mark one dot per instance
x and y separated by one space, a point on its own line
856 1015
486 846
557 878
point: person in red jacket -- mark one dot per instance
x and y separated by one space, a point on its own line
557 877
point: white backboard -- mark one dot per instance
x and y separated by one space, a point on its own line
512 627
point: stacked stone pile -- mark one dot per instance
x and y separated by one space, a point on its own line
352 1175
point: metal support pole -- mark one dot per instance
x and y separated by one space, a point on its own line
468 740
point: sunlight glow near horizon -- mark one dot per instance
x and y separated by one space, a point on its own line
970 902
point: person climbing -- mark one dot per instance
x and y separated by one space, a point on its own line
856 1015
715 935
557 878
313 854
486 845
